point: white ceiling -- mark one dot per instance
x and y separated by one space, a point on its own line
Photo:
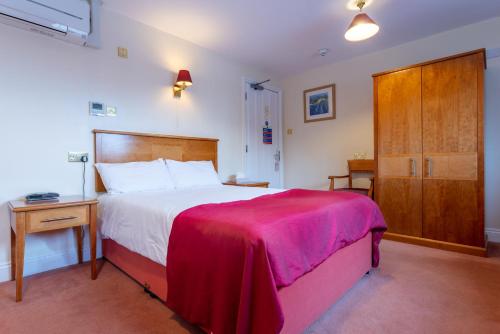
283 36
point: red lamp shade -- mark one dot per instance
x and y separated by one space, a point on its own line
184 78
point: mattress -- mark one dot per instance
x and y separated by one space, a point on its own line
142 221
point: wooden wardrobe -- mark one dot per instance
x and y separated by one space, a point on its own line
429 179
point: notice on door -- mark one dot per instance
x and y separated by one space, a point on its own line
267 136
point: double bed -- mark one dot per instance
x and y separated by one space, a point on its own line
136 228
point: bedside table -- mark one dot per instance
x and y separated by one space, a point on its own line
247 184
69 211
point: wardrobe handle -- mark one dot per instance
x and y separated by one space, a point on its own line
429 166
413 167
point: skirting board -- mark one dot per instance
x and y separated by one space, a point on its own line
465 249
493 234
37 264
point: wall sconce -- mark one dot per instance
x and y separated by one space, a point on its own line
183 81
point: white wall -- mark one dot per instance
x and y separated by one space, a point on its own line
46 85
316 150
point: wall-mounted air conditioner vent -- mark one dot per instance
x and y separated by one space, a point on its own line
75 21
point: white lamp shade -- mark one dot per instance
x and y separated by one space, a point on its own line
362 27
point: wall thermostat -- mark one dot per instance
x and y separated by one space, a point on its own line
97 109
100 109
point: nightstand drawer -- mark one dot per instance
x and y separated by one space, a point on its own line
53 219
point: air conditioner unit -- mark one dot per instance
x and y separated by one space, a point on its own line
68 20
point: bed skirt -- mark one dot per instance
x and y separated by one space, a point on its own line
303 302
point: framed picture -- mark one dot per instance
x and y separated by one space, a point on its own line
319 103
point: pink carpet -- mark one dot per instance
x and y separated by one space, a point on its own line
415 290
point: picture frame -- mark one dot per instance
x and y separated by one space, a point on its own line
319 103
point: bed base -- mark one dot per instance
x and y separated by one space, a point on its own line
303 302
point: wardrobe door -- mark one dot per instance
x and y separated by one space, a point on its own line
453 150
398 126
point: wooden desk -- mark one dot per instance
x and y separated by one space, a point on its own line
69 211
356 166
360 166
247 184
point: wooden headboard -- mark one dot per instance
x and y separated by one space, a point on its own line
118 146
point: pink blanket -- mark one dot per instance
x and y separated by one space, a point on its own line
226 261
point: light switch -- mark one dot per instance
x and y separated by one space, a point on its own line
289 131
122 52
111 111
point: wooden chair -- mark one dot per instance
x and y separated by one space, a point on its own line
356 166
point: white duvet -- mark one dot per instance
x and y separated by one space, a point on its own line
142 221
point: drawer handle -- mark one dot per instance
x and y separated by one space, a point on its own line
50 220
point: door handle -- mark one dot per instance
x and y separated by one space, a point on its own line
429 166
413 166
277 156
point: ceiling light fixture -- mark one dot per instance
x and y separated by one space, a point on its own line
362 26
353 4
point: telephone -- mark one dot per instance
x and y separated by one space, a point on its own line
39 197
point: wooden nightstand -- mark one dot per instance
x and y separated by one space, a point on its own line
247 184
69 211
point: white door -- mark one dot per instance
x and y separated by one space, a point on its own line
263 136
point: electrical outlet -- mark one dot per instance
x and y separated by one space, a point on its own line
77 156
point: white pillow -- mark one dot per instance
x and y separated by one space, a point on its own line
191 174
135 176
